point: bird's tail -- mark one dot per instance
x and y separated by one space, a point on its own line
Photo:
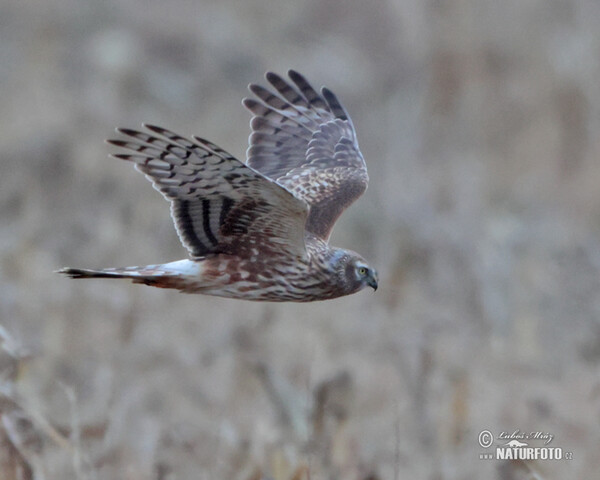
168 275
124 272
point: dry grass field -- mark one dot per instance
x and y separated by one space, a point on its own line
479 122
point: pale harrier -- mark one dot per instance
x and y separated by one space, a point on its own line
260 230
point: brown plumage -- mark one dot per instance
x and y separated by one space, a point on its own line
259 230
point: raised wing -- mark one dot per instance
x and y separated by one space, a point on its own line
218 204
306 142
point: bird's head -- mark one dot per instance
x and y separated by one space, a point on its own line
354 272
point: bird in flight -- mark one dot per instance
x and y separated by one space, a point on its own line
257 230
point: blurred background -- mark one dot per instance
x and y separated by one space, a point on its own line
478 121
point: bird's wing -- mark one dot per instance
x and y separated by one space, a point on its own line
218 204
306 142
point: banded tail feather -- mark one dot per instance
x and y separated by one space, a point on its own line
148 275
168 275
126 272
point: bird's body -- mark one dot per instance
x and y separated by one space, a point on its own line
297 279
258 231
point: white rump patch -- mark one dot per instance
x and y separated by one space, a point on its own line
182 267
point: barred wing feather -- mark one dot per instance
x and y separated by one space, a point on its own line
306 142
218 204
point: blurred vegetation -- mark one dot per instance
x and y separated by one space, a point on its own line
477 120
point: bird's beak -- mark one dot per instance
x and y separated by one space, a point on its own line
372 281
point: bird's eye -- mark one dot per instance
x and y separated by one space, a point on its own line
362 270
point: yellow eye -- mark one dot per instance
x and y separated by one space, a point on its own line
362 270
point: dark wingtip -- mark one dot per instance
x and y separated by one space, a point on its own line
126 131
271 76
256 89
116 142
295 76
121 156
250 103
334 104
155 128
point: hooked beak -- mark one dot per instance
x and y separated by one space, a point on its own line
372 280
